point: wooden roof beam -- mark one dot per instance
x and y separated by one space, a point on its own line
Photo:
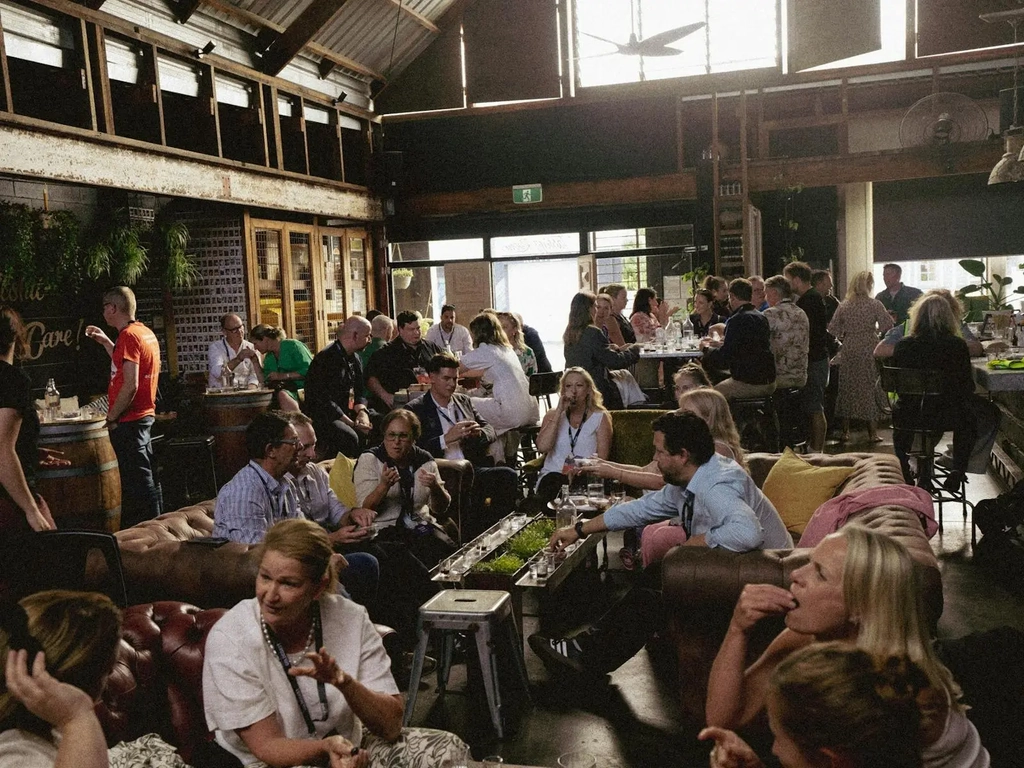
184 9
299 34
419 18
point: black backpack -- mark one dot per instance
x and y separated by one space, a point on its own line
1000 551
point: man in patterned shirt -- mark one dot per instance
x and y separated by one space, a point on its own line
258 495
790 331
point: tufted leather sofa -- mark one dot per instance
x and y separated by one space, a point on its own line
156 684
166 558
701 586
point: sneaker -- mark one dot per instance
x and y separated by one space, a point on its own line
557 652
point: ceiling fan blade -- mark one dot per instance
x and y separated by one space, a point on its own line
661 50
671 35
602 39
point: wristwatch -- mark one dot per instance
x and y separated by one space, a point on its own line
579 530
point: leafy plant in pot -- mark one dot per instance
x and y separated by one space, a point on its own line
401 278
992 288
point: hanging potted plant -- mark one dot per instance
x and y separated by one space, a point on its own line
401 278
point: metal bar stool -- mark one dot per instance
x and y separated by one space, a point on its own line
756 422
485 613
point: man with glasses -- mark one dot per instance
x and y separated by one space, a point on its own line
234 353
259 495
131 397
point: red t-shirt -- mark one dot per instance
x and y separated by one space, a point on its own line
137 344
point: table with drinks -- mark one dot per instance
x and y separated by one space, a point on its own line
673 342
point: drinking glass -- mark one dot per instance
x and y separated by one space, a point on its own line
616 492
595 489
577 759
493 761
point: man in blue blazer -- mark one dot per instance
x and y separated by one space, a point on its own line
452 429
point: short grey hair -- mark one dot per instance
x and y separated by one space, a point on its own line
780 285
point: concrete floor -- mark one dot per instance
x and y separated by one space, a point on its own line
633 720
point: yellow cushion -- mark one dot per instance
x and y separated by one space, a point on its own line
342 484
797 488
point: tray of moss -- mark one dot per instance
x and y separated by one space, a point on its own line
508 562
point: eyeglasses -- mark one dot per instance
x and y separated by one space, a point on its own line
397 435
293 441
233 330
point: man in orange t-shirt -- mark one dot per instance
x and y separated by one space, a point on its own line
134 370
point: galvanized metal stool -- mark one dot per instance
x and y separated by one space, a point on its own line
487 614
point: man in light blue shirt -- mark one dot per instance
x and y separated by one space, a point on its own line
716 503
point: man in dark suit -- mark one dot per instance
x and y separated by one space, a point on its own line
334 397
452 429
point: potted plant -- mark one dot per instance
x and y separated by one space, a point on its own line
401 278
993 288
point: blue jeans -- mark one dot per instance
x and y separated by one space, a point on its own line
134 450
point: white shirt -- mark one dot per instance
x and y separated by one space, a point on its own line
458 340
220 353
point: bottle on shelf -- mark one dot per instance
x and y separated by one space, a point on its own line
52 400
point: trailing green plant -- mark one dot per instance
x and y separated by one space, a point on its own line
993 287
17 234
116 250
695 277
170 241
58 252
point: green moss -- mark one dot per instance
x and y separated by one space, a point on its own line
532 538
506 564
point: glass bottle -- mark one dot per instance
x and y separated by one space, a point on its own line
52 400
687 331
565 511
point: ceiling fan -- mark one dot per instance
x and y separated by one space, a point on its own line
655 45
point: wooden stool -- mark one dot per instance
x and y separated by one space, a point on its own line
485 613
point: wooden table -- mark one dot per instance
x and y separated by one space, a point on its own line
998 380
671 354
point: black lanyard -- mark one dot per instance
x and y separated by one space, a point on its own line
286 664
448 341
444 415
572 440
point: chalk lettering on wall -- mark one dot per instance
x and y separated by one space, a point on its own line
40 339
16 293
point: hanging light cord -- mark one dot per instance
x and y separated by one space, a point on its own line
394 38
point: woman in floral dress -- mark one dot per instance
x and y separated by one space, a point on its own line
857 323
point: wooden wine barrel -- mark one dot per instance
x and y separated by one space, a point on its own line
88 493
227 416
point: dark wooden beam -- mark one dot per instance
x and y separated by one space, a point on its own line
317 15
762 175
185 8
93 4
325 67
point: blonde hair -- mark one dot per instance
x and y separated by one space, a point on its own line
594 398
79 632
516 339
861 285
306 542
931 315
713 408
884 598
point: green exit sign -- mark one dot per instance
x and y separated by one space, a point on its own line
523 194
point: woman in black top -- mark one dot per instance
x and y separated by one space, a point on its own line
20 507
586 346
934 342
704 316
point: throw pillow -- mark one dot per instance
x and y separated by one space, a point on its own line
797 488
342 484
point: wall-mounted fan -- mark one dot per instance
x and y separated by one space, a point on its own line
942 119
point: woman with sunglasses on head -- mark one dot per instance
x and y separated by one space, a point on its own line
293 676
402 484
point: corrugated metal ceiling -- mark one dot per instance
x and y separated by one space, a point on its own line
364 31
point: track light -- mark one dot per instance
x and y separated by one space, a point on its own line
341 97
206 50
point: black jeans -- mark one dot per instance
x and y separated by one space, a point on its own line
134 450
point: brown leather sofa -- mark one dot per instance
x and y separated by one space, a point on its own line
166 558
701 585
156 685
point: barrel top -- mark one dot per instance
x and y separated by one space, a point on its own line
72 426
253 394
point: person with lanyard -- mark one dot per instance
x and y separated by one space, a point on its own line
402 484
717 504
258 495
449 335
233 353
293 676
579 426
131 398
285 363
453 429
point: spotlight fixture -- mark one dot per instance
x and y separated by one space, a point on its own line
206 50
341 97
